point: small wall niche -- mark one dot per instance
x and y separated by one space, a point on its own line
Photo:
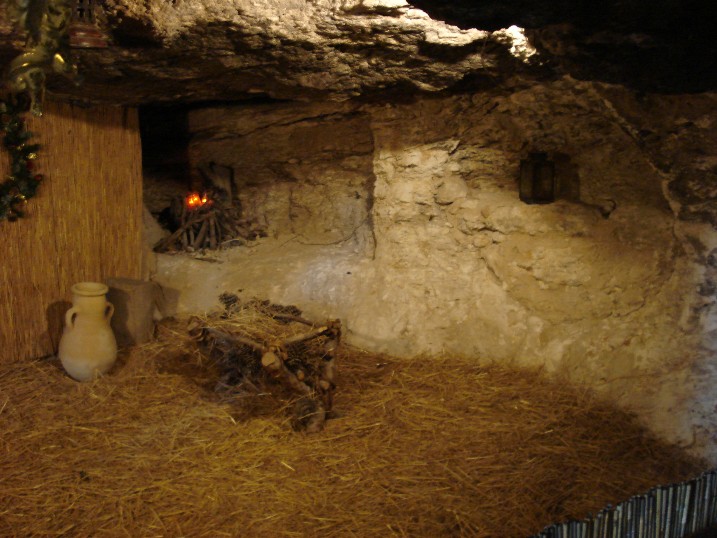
546 177
537 184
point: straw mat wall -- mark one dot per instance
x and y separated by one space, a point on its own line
84 224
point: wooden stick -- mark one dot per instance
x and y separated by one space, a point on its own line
304 337
190 239
326 383
225 226
218 231
195 326
212 233
237 340
289 317
198 242
275 366
328 368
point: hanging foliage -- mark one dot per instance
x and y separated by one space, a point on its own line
46 24
21 183
47 51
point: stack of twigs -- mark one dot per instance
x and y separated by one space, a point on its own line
208 225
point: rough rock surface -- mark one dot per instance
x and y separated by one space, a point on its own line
303 171
238 49
662 46
410 229
190 50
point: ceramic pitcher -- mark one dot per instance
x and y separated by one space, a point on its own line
88 346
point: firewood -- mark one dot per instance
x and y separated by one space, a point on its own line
180 234
215 224
224 225
217 231
237 231
199 240
212 234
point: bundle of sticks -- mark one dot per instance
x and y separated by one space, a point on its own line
207 225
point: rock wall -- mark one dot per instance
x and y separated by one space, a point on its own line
301 170
404 220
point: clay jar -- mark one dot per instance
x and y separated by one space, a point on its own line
88 347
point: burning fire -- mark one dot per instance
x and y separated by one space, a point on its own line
195 201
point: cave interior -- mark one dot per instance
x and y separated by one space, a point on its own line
514 183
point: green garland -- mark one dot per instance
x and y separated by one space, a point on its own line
21 184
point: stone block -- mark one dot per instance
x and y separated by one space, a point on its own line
135 303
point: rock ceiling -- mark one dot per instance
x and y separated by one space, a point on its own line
208 50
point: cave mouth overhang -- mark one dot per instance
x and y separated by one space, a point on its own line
382 50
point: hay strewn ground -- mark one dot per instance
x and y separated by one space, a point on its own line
419 448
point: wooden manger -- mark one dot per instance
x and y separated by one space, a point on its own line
308 375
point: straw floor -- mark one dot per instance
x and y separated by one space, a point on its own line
420 448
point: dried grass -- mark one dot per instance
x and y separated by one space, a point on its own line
437 447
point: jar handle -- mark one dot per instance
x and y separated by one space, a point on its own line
70 317
109 311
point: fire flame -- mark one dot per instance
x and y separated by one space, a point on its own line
195 201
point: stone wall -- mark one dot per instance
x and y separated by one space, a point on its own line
404 220
305 171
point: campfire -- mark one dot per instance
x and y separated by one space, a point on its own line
205 221
194 201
